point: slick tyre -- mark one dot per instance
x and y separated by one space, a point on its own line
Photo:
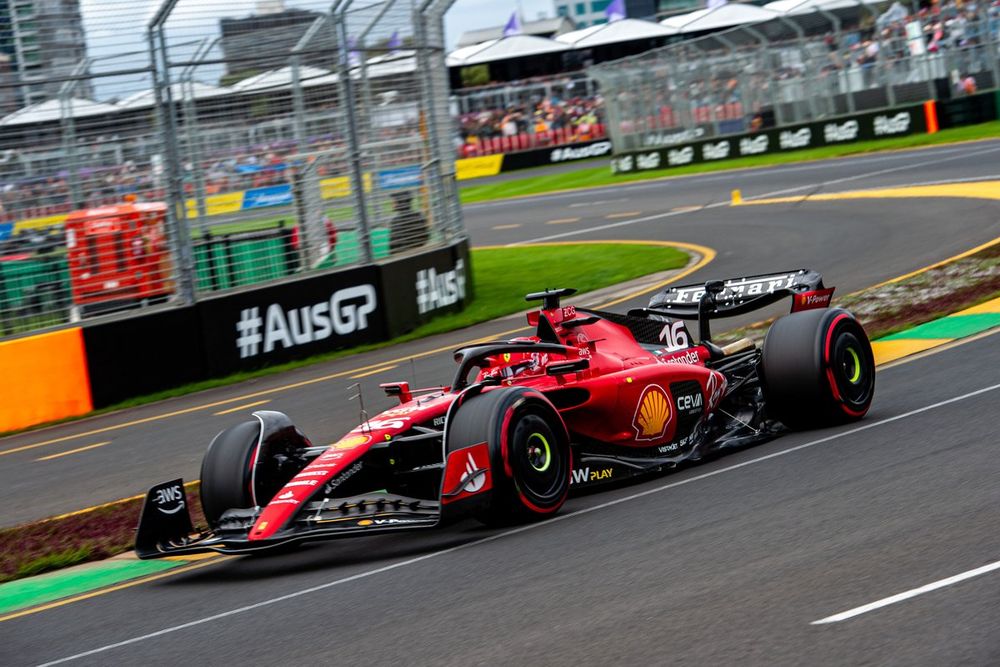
227 471
818 369
529 453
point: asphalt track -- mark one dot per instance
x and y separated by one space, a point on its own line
727 562
853 243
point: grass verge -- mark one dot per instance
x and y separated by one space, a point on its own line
501 278
884 309
600 176
56 543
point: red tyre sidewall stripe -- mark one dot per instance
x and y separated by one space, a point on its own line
829 370
504 452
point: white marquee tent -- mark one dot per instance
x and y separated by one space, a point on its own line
51 110
515 46
799 7
612 33
724 16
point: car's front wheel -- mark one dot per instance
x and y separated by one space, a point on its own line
529 452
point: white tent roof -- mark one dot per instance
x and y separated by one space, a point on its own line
147 98
515 46
50 110
388 64
724 16
282 78
614 32
795 7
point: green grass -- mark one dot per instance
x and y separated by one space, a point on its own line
501 278
598 176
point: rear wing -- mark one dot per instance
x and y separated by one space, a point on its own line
736 296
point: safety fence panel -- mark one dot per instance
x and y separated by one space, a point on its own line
218 148
811 62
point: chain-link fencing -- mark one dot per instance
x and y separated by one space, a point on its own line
215 148
814 60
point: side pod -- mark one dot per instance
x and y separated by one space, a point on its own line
164 520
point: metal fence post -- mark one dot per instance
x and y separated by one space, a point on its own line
176 204
298 101
430 14
339 13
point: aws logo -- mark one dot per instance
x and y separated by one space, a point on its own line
652 415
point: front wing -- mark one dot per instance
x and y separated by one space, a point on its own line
165 527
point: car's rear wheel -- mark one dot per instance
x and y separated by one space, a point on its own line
818 369
529 452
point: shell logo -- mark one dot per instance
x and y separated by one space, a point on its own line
652 415
351 441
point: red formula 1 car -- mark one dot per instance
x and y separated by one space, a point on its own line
592 397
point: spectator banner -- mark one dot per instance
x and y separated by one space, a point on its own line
292 320
556 155
274 195
422 287
661 138
402 177
478 167
869 126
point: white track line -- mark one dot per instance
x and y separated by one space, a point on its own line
515 531
774 193
893 599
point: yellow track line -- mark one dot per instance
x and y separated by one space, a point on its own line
623 214
561 221
373 372
241 407
73 451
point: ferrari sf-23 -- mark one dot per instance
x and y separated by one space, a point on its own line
592 397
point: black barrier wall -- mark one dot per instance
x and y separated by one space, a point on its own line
542 157
968 110
141 355
255 328
292 320
881 125
418 289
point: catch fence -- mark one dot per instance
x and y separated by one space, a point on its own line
807 64
220 149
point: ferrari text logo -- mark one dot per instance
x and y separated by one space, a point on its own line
652 414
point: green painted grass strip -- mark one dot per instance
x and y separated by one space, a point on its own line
956 326
44 588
